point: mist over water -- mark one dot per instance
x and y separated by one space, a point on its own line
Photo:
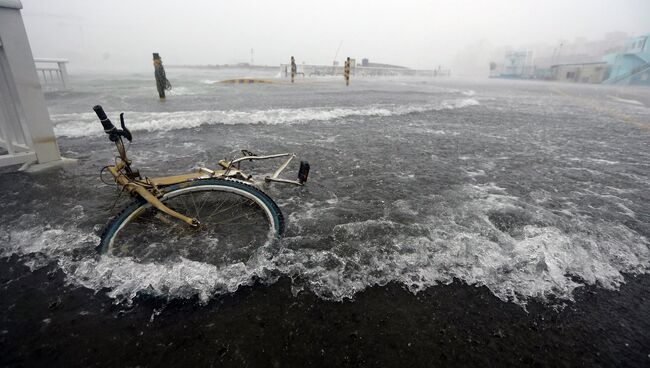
526 188
463 35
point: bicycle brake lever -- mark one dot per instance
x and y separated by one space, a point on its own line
125 132
248 153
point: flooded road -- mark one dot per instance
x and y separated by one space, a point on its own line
521 194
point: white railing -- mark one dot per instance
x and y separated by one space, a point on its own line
52 73
26 132
357 70
15 144
14 148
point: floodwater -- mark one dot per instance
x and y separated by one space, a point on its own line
530 190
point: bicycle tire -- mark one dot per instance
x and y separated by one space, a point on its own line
135 212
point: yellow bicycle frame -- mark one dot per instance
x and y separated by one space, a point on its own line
150 188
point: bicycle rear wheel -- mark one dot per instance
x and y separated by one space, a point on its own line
235 219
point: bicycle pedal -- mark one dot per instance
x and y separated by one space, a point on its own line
303 172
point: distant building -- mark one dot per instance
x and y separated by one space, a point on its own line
632 65
381 65
580 72
516 64
616 59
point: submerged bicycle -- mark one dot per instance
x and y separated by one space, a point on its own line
224 206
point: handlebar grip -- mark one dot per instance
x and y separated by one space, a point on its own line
106 122
100 112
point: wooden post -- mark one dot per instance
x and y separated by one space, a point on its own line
294 69
346 71
162 83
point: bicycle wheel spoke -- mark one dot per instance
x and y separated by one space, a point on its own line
187 209
205 196
216 209
196 213
232 220
225 209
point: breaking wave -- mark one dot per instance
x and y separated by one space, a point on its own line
76 124
480 235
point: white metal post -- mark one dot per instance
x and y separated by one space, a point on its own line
28 101
63 72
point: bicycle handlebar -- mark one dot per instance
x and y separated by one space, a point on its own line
113 133
106 122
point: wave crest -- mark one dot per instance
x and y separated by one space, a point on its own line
76 124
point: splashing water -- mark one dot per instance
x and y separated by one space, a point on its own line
498 190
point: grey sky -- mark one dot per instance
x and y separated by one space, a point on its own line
103 34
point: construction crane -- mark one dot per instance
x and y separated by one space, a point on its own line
337 52
335 56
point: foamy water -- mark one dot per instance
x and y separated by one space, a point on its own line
78 124
514 191
462 242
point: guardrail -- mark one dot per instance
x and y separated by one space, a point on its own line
311 70
52 73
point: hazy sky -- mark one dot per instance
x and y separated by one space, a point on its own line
119 34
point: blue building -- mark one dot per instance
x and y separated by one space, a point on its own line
517 64
631 66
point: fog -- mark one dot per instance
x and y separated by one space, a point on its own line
121 35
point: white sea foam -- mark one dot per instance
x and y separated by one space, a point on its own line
475 173
77 124
179 91
626 101
462 241
601 161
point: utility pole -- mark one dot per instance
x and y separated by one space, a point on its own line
251 57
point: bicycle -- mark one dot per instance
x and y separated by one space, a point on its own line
222 205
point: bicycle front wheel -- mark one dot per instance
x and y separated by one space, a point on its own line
235 219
